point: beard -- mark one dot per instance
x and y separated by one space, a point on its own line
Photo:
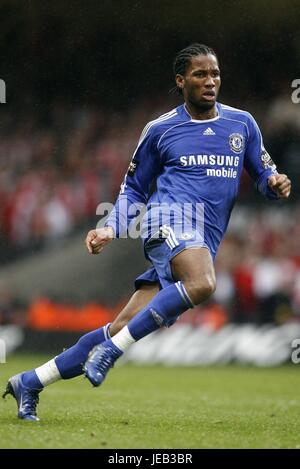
202 105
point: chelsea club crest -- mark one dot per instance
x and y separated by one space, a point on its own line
236 142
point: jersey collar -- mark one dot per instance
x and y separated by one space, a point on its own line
199 121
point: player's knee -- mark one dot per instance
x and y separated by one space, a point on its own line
201 289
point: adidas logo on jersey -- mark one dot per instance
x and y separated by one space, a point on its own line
209 131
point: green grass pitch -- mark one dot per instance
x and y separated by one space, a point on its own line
159 407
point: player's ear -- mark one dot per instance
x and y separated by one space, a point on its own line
179 81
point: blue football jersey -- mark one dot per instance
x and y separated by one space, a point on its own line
193 163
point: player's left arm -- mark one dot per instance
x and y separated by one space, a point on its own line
262 168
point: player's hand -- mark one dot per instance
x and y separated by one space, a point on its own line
97 239
280 184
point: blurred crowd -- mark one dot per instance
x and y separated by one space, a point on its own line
258 266
54 174
55 169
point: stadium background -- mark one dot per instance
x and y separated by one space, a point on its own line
82 80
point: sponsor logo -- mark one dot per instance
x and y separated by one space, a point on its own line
236 142
132 168
209 160
266 160
157 318
209 131
229 164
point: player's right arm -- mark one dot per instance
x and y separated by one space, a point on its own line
97 239
145 165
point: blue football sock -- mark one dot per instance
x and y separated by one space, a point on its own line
163 310
71 361
30 379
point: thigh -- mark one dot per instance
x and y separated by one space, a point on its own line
177 258
192 264
136 303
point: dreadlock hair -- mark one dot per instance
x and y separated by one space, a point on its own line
182 59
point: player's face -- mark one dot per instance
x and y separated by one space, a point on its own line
201 82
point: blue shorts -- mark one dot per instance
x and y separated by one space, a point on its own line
160 251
